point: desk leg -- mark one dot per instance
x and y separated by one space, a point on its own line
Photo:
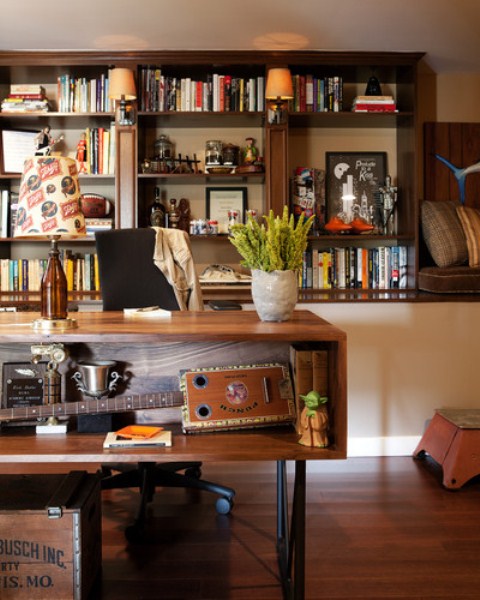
291 542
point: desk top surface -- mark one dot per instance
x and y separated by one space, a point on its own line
266 444
181 326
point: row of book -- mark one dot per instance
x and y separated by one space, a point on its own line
82 95
217 93
99 150
383 267
317 94
25 274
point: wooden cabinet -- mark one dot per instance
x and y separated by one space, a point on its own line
302 141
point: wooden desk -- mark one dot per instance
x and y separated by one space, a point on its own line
154 351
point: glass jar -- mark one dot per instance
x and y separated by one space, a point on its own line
213 153
164 153
230 155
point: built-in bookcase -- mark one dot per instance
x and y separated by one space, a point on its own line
220 96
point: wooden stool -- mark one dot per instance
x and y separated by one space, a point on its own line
453 440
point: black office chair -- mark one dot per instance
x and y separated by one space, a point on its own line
130 279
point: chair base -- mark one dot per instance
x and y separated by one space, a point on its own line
147 476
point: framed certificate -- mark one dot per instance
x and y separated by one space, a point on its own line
221 200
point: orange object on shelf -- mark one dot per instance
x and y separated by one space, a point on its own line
138 432
336 225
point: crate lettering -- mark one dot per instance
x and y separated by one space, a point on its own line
33 550
42 581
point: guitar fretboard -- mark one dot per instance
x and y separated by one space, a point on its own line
167 399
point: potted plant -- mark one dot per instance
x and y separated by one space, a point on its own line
274 252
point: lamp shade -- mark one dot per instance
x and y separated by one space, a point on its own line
48 203
279 84
121 84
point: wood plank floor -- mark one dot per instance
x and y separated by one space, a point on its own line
377 529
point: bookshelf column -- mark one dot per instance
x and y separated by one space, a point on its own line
126 213
276 167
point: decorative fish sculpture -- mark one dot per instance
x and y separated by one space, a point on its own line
460 174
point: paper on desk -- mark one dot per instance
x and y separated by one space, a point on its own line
148 312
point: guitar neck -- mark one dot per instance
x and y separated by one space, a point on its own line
93 406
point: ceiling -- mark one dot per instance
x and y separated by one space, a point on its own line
447 30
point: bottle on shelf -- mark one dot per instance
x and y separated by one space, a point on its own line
157 211
173 214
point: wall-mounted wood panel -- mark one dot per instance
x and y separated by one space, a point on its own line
459 143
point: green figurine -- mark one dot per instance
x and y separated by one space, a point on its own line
314 421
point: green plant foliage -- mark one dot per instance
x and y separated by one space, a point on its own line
276 245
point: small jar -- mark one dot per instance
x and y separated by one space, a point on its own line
163 148
213 227
230 155
213 153
232 218
164 154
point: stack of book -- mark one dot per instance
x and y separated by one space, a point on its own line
374 104
26 98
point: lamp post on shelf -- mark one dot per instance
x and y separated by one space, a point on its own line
122 90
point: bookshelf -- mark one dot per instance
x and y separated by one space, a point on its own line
302 140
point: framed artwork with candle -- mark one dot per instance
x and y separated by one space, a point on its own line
353 180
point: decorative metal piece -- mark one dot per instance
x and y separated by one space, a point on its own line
93 378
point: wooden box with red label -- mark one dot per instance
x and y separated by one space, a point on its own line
239 397
50 536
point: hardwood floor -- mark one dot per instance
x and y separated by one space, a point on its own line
377 529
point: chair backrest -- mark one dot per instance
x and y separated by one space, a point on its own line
128 276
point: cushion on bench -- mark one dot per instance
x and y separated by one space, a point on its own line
450 280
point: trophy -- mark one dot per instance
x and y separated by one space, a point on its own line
93 378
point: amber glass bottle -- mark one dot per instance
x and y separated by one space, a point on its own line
54 297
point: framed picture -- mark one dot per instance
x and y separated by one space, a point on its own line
17 146
221 200
352 180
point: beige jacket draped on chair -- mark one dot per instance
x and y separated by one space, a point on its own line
173 256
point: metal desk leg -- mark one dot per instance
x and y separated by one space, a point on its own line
291 542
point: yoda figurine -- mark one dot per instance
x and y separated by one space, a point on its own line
314 421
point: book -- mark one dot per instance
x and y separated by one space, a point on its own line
302 369
113 440
320 371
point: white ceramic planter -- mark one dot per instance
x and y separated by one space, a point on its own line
274 294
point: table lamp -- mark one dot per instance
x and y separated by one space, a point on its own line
48 206
279 90
121 88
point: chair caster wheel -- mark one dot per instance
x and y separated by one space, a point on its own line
224 506
194 472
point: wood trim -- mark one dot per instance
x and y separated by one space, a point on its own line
276 167
126 213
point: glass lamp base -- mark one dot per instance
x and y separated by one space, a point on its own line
47 325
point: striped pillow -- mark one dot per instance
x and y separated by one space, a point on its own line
470 220
443 233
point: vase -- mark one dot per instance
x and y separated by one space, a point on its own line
274 294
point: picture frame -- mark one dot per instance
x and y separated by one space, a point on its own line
221 200
352 182
17 146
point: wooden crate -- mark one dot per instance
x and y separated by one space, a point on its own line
50 536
